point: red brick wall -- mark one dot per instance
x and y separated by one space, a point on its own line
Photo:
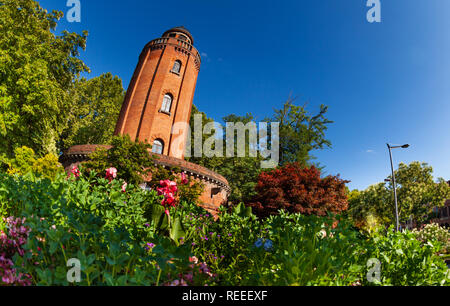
140 117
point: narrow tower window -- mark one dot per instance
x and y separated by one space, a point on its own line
167 103
176 67
158 146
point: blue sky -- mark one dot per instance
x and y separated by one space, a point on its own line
383 82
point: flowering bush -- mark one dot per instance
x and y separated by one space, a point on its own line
131 159
189 190
13 237
103 222
75 171
434 233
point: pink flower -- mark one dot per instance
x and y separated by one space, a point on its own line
167 212
193 259
124 187
75 171
184 179
111 173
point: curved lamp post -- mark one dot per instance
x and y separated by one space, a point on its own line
393 180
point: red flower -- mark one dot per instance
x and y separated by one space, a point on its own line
168 190
75 171
184 179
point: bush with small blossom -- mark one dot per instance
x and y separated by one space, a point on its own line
434 233
12 240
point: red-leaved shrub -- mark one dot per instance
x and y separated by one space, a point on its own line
299 190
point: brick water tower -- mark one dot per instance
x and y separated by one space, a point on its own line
159 96
161 92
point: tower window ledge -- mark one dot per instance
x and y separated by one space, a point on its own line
164 112
174 72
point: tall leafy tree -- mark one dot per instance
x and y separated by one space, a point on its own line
417 193
37 69
241 173
300 132
95 108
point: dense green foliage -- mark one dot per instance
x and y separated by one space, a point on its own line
300 132
95 108
417 192
241 172
95 221
37 69
132 159
25 161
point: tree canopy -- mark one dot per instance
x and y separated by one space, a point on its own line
37 69
95 108
417 193
299 134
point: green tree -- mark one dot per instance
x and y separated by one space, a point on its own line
417 193
241 172
37 69
95 108
300 132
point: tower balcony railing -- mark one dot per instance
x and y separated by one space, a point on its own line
178 44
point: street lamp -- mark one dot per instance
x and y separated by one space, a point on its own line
393 180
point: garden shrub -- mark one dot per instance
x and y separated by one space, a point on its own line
25 161
434 233
405 261
299 190
132 159
103 223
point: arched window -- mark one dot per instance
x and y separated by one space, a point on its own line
176 67
167 103
158 146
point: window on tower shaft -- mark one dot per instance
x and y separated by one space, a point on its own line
176 67
167 104
158 146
